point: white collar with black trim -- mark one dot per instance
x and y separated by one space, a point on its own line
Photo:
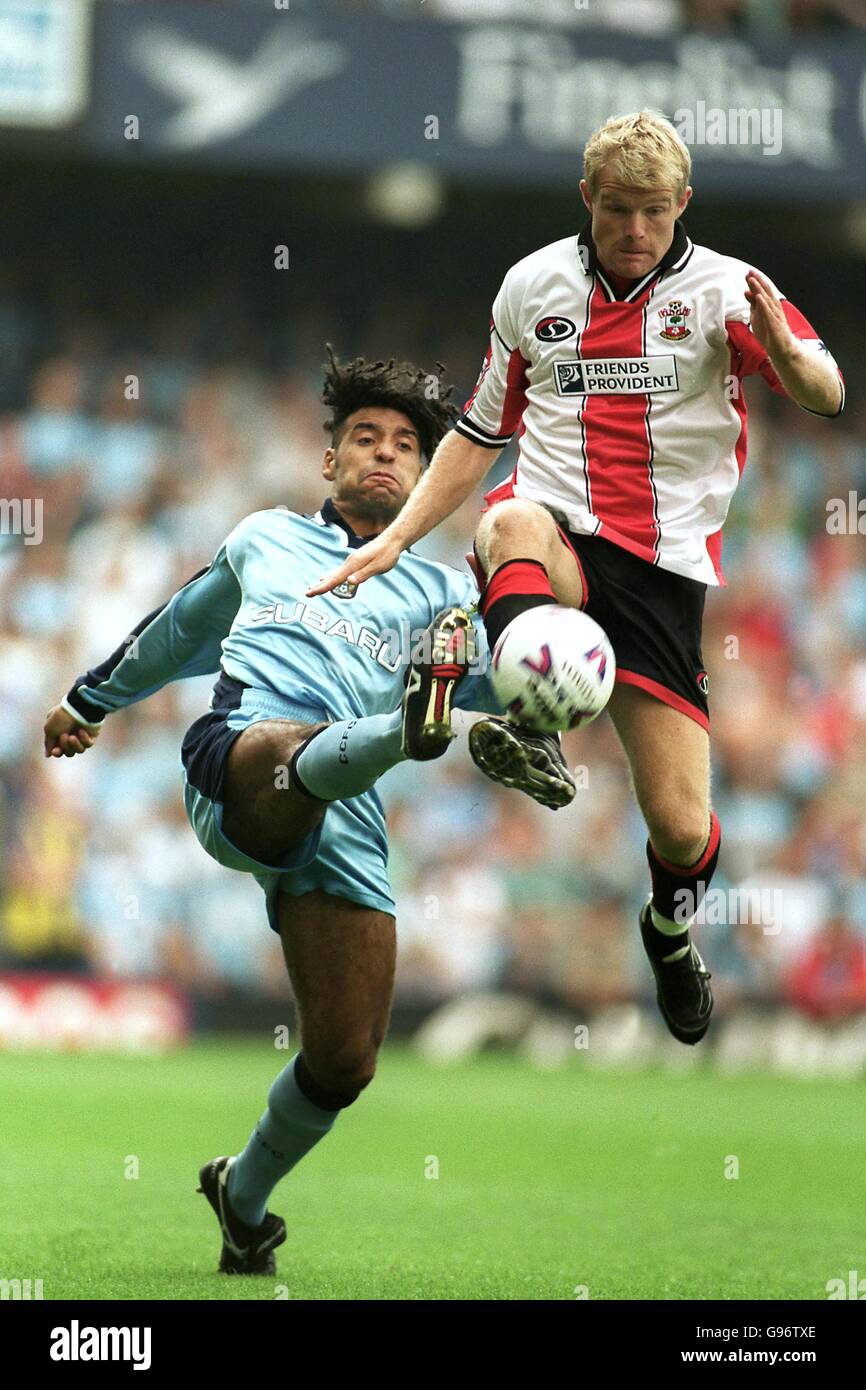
674 259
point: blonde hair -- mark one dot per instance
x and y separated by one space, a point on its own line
646 149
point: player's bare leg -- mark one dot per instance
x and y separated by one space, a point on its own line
340 958
669 760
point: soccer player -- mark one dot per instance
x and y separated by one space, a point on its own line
619 355
308 712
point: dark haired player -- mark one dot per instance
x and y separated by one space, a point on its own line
308 712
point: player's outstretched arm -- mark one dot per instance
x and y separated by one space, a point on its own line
456 468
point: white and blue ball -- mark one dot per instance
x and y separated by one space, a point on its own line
553 669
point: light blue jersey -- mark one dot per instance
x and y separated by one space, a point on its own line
344 653
341 656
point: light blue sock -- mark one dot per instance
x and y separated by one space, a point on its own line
289 1128
347 758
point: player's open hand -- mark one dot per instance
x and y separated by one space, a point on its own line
64 736
376 557
768 322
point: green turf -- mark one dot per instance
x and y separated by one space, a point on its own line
548 1180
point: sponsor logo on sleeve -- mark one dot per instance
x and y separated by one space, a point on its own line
553 330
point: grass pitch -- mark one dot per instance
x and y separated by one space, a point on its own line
548 1181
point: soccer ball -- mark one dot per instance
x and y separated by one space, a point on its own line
553 668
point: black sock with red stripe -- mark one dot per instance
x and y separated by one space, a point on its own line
514 587
678 891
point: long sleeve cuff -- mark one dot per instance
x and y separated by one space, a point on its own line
81 709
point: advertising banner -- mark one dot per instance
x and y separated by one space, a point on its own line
261 87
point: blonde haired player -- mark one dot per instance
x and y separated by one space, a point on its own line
618 354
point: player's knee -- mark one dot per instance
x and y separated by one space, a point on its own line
679 834
343 1067
510 527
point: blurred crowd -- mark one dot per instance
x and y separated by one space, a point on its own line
144 461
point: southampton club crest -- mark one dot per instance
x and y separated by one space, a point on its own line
674 316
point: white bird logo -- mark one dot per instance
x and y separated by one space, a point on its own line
222 97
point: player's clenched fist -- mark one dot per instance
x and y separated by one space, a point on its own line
65 736
376 557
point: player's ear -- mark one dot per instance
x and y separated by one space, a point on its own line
683 204
586 195
328 469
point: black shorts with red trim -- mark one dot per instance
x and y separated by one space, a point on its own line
653 618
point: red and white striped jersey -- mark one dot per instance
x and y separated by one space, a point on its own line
630 412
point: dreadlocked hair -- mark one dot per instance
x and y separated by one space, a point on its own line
421 395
